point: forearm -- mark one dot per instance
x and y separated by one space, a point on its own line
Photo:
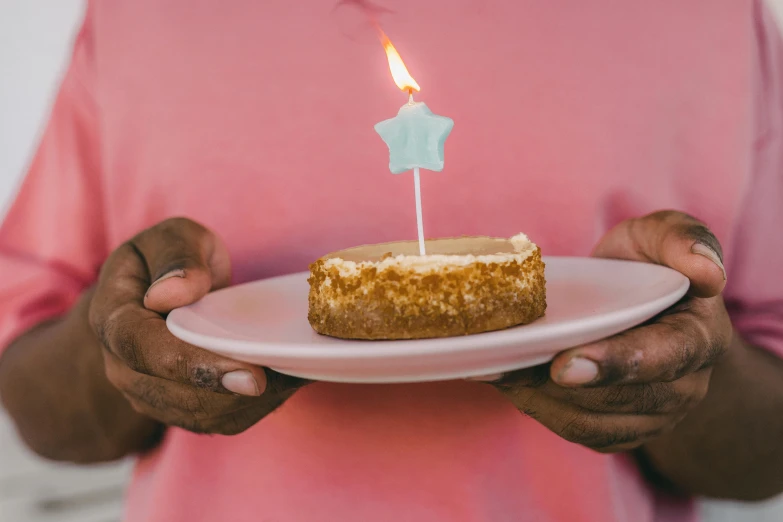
730 445
53 385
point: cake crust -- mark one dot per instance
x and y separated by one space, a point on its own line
384 299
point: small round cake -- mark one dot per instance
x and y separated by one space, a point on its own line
462 286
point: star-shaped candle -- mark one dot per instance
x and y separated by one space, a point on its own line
415 137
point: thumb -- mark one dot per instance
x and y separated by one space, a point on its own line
672 239
184 260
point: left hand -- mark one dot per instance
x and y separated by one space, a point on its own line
618 393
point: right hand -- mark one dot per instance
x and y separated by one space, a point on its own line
173 264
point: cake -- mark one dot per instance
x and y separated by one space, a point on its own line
461 286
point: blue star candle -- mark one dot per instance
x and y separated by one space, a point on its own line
416 137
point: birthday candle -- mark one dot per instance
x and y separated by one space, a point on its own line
416 137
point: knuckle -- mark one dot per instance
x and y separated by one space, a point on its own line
662 398
116 258
719 332
154 395
648 399
592 432
137 405
95 317
125 259
622 368
620 397
101 329
176 240
691 399
686 350
579 428
114 373
204 377
685 362
176 365
641 398
178 244
208 404
125 344
715 348
180 366
198 407
144 408
624 362
173 363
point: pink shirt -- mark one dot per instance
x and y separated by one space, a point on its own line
256 118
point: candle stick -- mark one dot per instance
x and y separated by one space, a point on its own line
417 191
419 220
416 137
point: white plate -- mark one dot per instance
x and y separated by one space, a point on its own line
265 323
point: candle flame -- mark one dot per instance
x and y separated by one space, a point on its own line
399 72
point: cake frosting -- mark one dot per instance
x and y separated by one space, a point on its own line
441 253
461 286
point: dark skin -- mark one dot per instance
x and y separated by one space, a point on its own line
103 381
701 408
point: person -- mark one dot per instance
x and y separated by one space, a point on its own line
650 131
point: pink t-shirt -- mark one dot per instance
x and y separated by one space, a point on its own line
256 118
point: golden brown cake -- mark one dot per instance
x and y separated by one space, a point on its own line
461 286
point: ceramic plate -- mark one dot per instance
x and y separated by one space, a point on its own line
265 323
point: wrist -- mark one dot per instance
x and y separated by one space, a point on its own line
53 385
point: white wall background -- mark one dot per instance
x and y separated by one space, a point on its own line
35 38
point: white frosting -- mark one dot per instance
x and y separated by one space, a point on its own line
522 249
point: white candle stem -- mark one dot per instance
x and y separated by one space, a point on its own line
419 222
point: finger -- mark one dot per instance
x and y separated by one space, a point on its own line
672 239
637 399
603 432
184 261
664 351
168 396
140 338
196 410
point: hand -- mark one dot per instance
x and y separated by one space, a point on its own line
617 394
173 264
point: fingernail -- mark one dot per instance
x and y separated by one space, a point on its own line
578 371
178 272
240 382
486 378
168 275
703 250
